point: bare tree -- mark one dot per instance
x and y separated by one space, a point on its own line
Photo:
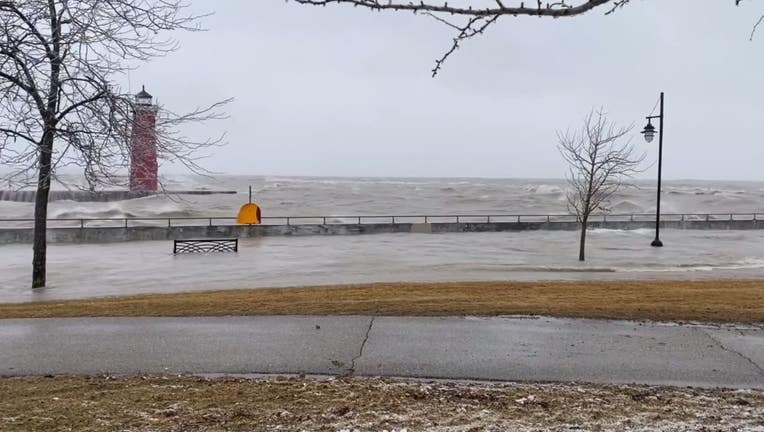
477 19
598 163
59 105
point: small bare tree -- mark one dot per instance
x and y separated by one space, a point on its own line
598 163
59 105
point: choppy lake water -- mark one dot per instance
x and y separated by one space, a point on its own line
301 196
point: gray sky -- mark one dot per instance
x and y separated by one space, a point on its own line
341 91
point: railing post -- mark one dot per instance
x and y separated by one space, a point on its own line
631 219
287 220
548 218
125 222
425 219
707 217
169 222
359 220
210 221
457 218
393 220
489 219
82 223
324 220
518 218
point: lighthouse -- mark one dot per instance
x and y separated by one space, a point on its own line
143 144
142 153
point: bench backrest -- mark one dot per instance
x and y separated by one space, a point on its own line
205 246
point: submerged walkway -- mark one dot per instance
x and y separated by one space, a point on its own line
77 271
507 349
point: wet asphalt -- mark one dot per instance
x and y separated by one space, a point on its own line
501 348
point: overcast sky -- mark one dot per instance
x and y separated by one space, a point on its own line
341 91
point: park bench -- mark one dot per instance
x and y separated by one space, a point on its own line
205 246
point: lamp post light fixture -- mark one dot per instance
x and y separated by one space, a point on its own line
649 134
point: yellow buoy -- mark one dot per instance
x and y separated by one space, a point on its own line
249 214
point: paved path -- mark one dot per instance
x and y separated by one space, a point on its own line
513 349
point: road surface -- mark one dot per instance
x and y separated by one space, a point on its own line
504 348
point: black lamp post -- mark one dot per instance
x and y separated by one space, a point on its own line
649 133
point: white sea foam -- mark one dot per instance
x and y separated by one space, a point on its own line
744 264
544 189
609 231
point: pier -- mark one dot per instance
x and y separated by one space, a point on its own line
98 196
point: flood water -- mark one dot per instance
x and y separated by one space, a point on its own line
95 270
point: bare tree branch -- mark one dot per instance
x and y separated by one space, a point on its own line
756 27
474 26
478 19
537 8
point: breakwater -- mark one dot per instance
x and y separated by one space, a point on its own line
127 232
99 196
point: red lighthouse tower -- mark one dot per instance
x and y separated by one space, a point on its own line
143 152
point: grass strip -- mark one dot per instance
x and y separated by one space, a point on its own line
709 301
188 403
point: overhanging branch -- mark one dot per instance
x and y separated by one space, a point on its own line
556 9
479 18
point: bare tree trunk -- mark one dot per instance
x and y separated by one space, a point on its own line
41 212
582 243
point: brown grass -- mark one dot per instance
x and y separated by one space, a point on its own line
714 301
234 404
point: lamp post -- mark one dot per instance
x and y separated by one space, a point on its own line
649 134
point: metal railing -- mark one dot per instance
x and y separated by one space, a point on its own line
371 219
